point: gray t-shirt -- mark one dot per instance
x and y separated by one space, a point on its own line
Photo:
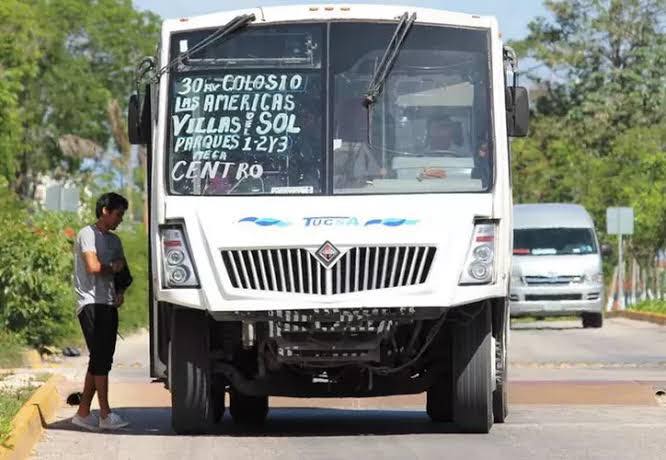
95 288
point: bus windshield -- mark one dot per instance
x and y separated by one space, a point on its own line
250 115
246 114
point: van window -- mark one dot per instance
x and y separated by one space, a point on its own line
553 241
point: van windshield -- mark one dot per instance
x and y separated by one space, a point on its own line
553 241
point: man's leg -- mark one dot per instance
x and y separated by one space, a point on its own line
87 396
108 330
87 321
102 386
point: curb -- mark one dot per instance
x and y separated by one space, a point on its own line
30 421
655 318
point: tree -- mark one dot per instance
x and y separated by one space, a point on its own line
597 135
85 57
19 54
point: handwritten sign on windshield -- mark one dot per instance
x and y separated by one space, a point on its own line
230 126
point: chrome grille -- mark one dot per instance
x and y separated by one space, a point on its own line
280 270
551 280
297 271
545 297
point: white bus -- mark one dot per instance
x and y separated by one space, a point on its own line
330 209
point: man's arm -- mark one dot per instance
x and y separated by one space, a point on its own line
95 267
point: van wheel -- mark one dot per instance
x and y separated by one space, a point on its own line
595 320
247 410
190 380
472 373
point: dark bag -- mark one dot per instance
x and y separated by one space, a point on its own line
123 279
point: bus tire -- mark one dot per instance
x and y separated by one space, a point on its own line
190 379
472 373
500 394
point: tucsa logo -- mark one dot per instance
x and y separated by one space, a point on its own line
345 221
330 221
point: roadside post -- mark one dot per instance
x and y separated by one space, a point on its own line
620 221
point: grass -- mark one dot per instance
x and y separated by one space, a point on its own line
11 350
10 403
651 306
41 377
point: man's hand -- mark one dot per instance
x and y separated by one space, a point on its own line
120 298
117 265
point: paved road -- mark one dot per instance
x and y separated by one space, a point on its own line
575 394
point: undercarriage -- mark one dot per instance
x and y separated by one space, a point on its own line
359 352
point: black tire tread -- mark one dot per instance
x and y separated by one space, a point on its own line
192 410
473 402
593 320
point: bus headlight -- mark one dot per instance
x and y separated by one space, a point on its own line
178 266
479 266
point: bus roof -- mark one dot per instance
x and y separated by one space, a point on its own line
323 12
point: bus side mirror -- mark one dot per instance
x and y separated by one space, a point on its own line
134 120
606 250
138 119
517 111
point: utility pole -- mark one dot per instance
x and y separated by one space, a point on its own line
620 273
620 221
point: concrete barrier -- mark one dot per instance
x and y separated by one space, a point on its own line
30 421
655 318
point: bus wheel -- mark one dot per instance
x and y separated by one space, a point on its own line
192 408
472 373
247 410
500 394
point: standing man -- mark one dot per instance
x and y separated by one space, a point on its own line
98 257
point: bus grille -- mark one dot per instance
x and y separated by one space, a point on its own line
298 271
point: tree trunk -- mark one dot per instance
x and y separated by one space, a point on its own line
119 130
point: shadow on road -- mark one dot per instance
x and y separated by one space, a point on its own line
287 421
543 327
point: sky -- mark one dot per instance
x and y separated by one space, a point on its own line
512 15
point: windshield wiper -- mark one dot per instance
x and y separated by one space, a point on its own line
227 29
389 57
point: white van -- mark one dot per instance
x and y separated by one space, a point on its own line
556 263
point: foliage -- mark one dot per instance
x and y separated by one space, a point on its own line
651 306
134 312
62 63
11 350
598 128
37 298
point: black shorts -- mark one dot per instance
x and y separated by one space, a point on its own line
99 324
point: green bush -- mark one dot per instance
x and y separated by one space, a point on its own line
37 301
36 296
134 312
